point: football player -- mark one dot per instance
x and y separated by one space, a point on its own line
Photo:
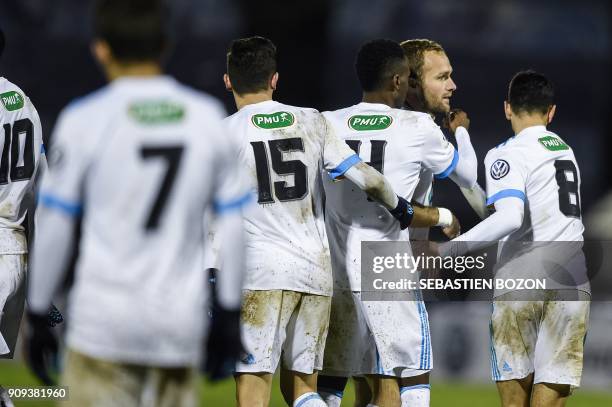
286 299
140 161
399 143
533 183
21 163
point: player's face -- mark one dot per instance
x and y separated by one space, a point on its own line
438 87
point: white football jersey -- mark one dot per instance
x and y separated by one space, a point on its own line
284 148
141 160
538 167
22 156
398 143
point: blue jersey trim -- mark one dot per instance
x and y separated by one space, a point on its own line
506 193
344 166
53 202
311 397
335 392
416 386
224 207
450 168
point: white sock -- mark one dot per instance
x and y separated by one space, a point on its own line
332 399
311 399
371 405
415 396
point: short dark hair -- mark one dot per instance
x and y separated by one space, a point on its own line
251 62
2 42
376 61
530 92
134 29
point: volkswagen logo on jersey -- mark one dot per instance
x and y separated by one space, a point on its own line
499 169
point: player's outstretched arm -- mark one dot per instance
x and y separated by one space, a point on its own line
429 216
508 217
477 198
373 183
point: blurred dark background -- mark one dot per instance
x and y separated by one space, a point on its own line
47 55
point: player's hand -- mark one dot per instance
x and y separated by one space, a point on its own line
453 230
403 212
456 118
41 347
224 347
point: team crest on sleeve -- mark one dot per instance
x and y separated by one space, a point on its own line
499 169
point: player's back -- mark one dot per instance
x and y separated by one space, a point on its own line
147 150
391 141
282 148
22 149
547 167
396 142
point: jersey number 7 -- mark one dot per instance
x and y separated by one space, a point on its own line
172 155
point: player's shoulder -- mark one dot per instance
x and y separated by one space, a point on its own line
89 106
12 97
512 148
200 101
414 118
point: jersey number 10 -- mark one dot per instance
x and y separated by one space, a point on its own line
12 136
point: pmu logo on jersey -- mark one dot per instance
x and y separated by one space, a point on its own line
552 143
156 111
499 169
369 122
275 120
12 100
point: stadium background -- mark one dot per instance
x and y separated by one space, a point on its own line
487 41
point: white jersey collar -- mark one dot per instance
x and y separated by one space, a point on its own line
374 106
259 105
143 80
532 129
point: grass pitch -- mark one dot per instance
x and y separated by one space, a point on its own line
223 393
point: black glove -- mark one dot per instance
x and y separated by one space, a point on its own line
55 316
41 346
224 346
403 212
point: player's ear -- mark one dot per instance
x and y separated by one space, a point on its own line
101 51
397 82
551 113
507 110
227 82
274 81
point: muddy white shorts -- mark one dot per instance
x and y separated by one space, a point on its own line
541 337
277 323
12 273
388 338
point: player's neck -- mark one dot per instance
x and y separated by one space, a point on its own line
524 122
252 98
385 98
116 71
